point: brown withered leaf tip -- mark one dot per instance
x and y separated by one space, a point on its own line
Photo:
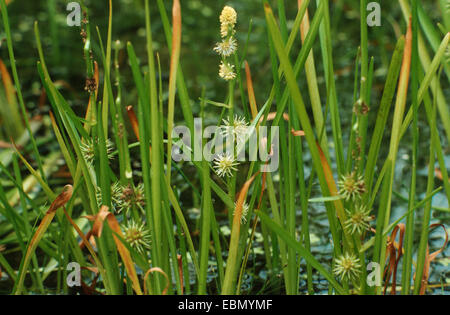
62 199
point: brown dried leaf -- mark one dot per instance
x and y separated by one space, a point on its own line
59 201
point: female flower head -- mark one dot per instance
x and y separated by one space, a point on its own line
115 195
347 266
225 164
358 220
88 150
137 235
131 196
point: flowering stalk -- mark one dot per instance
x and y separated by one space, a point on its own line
227 47
227 50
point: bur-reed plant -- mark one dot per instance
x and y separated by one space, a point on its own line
122 215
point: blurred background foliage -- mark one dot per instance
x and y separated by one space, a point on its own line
63 45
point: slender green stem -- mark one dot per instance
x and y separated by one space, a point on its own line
409 237
423 245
